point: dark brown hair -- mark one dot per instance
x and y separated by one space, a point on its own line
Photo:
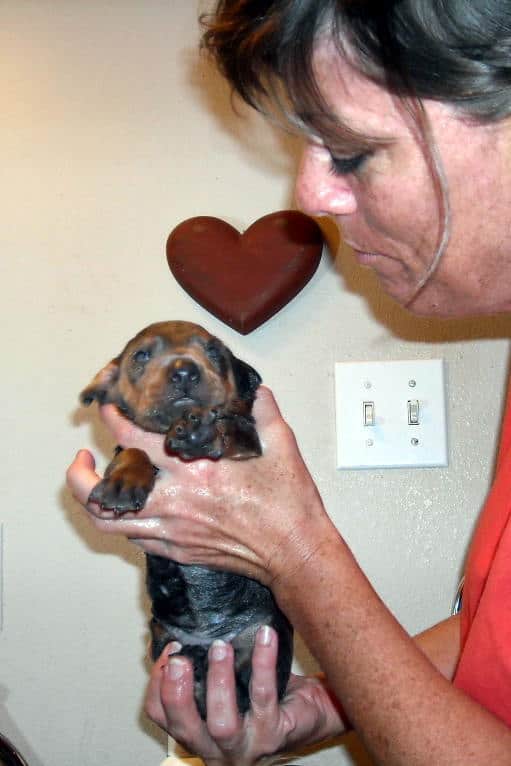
456 51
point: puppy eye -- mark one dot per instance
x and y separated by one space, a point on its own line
213 352
217 356
142 356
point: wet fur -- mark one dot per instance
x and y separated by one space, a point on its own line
177 379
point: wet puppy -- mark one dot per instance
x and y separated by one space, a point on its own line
176 379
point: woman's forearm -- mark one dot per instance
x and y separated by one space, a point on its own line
394 690
440 644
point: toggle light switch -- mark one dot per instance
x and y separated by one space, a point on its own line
413 412
392 429
368 413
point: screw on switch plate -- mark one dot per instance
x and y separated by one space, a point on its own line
403 422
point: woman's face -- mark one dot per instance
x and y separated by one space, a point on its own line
386 202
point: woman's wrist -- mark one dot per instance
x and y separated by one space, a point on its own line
300 560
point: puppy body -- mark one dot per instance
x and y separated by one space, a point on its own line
177 379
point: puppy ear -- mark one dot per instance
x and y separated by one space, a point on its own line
102 387
246 378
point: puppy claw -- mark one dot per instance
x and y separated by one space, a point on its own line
114 496
96 496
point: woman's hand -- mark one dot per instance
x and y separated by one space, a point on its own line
307 714
256 517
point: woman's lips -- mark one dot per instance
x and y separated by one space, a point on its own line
366 259
363 256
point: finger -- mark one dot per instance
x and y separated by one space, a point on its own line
272 428
144 533
81 476
153 705
266 410
155 547
224 721
126 433
182 719
263 683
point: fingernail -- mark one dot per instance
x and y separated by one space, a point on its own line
174 647
176 668
218 650
263 637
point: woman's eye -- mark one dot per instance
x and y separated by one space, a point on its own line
343 166
142 356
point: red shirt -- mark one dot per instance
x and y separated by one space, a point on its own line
484 669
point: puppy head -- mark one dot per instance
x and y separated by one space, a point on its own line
170 368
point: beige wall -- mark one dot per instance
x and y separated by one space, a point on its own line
112 132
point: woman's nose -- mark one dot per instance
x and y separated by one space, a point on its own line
318 191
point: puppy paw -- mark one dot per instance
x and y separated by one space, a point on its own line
195 435
128 481
118 496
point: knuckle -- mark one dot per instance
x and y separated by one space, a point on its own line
179 554
179 729
284 435
262 694
224 732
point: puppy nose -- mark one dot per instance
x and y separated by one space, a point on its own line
184 373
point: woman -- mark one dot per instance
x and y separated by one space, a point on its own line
405 110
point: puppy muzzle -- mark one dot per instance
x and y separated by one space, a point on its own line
184 376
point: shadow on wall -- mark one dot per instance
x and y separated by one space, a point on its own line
9 729
110 545
398 320
263 144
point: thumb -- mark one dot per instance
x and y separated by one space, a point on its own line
126 433
81 476
274 432
266 410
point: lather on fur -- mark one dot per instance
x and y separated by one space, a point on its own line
177 379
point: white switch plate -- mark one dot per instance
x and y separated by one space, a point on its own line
391 442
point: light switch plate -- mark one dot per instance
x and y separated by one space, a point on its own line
376 405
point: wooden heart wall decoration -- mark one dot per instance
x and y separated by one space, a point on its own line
244 279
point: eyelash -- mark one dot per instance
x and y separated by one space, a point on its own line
343 166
